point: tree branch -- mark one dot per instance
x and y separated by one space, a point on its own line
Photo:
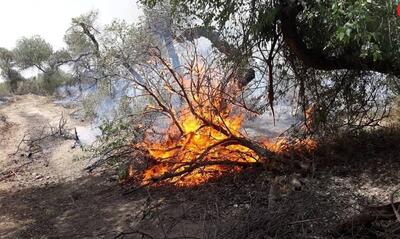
316 59
222 45
87 32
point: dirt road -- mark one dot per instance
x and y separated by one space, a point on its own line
47 194
29 115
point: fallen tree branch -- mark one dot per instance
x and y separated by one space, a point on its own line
199 165
32 139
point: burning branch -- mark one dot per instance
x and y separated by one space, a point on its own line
204 138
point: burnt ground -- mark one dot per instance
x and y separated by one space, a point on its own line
51 196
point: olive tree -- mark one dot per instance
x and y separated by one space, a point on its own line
33 52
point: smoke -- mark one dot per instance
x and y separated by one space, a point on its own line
104 106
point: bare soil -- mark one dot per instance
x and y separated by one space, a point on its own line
49 195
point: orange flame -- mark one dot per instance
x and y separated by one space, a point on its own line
200 142
176 155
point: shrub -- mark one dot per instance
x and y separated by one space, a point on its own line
44 84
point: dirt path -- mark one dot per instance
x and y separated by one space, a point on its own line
30 114
48 195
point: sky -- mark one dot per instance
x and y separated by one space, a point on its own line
51 18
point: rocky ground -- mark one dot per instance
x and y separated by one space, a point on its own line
45 193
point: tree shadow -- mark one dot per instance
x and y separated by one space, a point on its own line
88 207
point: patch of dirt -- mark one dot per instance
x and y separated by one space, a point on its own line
52 162
48 194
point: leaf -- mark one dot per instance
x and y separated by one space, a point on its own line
348 32
341 35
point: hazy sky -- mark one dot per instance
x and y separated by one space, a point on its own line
51 18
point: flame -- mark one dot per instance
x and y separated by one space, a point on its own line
200 143
177 154
283 145
131 172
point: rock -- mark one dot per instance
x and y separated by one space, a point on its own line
39 177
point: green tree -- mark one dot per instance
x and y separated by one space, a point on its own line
81 36
324 35
8 72
33 52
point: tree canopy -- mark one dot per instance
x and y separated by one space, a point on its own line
32 52
325 35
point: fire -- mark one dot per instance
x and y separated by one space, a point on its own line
176 155
198 144
283 145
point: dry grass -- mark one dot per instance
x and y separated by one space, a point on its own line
350 172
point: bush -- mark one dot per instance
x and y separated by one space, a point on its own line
44 84
107 102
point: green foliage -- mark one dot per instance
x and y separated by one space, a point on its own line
6 59
114 132
14 78
8 72
43 84
369 26
89 104
32 52
91 101
58 58
54 79
116 142
77 41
